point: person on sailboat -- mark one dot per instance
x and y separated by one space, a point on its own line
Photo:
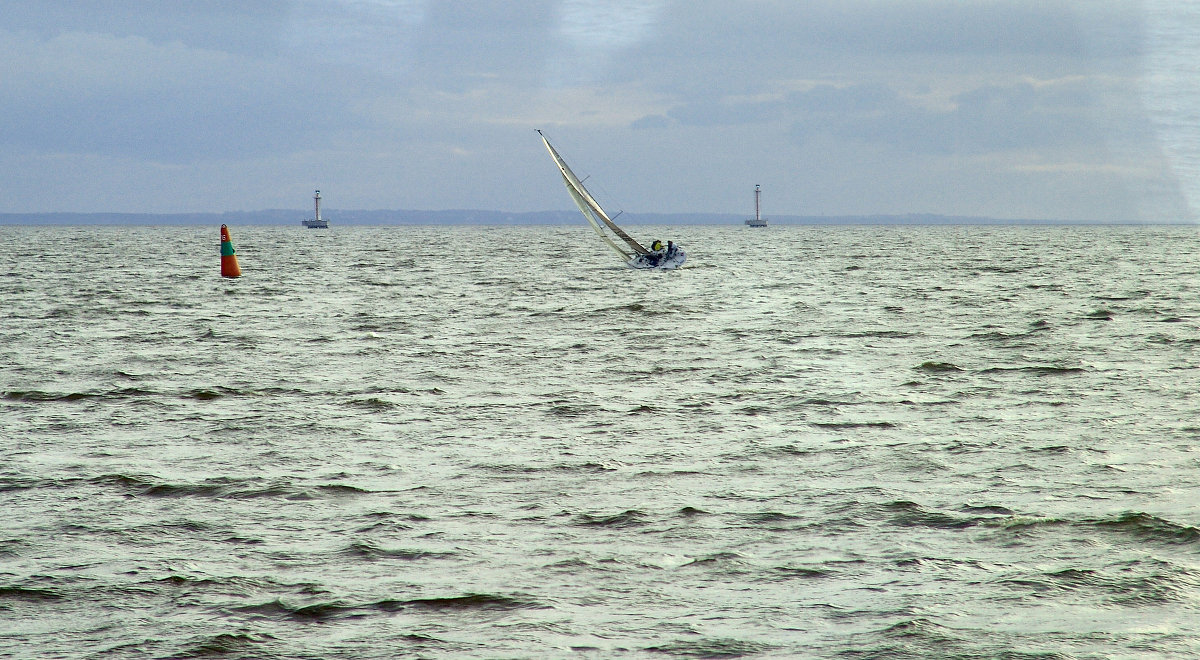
656 245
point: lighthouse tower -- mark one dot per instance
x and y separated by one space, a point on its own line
316 222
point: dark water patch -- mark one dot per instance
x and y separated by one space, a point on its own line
754 411
13 547
629 518
585 468
9 484
1037 370
1020 524
214 488
370 551
1099 315
986 510
321 611
1003 269
826 402
921 638
342 490
28 595
123 481
844 426
189 526
278 609
1127 587
508 468
186 581
211 393
691 512
37 396
184 490
787 450
129 376
877 334
1051 449
717 558
1003 338
467 602
1147 527
1132 295
636 308
224 645
800 572
711 648
656 474
574 410
938 367
910 514
772 520
373 403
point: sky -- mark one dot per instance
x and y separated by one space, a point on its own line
1026 109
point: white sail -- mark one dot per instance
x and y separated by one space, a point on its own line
591 209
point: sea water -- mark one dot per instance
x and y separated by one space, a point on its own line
392 442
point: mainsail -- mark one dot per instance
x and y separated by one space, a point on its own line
591 208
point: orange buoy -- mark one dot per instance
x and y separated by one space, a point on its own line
229 264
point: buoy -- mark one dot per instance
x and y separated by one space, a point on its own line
229 264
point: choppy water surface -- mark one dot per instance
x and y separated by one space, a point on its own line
860 442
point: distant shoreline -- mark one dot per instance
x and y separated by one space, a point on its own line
493 218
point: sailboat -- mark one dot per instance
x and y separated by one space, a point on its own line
634 254
757 220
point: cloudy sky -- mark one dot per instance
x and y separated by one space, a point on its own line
1063 109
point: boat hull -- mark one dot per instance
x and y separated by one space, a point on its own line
668 260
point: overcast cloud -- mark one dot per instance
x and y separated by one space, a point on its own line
1013 109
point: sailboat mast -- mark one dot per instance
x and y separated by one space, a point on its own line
317 201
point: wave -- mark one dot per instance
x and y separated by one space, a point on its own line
1131 584
630 518
278 609
199 393
712 648
877 334
938 367
471 601
840 426
790 572
38 396
910 514
1037 370
222 487
370 551
226 644
27 594
1147 527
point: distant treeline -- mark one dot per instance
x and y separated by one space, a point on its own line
468 217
